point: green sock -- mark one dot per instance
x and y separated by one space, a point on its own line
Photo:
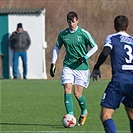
82 104
68 103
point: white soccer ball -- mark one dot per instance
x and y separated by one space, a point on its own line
68 121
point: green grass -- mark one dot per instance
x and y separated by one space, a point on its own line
36 106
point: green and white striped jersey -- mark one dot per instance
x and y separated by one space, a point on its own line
76 44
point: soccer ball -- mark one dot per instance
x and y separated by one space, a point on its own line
68 121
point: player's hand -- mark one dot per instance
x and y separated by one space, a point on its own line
95 74
52 70
81 60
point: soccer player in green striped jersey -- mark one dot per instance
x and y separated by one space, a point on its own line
79 46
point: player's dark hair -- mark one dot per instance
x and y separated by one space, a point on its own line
121 23
72 15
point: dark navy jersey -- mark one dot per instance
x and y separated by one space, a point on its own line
121 54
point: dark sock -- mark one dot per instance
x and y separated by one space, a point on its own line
109 126
131 126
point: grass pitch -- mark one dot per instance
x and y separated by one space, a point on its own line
36 106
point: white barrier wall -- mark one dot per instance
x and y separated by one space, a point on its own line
34 24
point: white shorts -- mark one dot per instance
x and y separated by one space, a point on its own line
78 77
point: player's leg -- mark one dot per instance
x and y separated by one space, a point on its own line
68 101
130 116
128 103
107 121
15 64
82 103
67 81
80 98
81 82
111 100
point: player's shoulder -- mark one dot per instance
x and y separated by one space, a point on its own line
111 35
108 40
119 34
64 31
85 32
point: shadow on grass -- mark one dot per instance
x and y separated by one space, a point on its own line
29 124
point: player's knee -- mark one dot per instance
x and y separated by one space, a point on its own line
129 112
77 95
106 113
105 116
67 90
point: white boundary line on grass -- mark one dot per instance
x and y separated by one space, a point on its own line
59 131
52 131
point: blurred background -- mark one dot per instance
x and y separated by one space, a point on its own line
95 16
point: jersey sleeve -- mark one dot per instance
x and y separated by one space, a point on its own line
90 40
108 42
55 54
56 49
59 41
91 52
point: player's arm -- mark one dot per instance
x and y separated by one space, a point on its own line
93 46
101 59
103 56
54 59
89 54
55 53
91 51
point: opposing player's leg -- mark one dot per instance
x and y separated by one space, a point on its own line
110 101
128 103
130 116
107 121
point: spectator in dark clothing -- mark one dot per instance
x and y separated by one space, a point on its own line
19 42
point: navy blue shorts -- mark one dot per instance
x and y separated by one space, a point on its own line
116 93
